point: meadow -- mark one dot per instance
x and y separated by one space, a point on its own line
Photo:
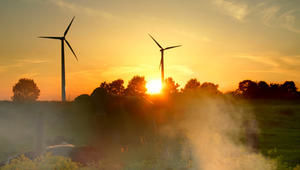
279 129
155 135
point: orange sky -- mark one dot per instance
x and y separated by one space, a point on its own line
224 41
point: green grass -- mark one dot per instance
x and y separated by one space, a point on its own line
278 121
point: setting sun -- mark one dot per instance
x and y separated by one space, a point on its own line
154 86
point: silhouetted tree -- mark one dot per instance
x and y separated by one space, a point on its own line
25 90
106 98
104 86
251 89
84 98
100 98
170 87
289 89
289 86
210 88
101 92
84 103
275 85
248 89
262 85
136 86
116 87
263 89
275 91
192 84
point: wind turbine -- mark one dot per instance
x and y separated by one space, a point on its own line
161 65
63 40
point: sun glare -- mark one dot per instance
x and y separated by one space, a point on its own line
153 86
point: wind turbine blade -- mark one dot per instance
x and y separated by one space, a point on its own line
172 47
71 49
156 42
57 38
69 27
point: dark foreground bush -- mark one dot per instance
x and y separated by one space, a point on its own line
44 162
50 162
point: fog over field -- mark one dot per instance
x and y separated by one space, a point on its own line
194 132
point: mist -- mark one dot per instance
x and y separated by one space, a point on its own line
220 136
179 132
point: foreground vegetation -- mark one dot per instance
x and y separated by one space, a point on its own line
279 129
196 127
130 133
49 162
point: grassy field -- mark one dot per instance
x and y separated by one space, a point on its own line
278 122
19 126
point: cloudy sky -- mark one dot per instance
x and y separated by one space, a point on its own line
224 41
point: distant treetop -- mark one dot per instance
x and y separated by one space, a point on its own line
136 86
25 90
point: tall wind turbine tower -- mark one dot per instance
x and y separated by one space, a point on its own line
63 40
161 65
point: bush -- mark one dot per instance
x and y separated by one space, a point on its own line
44 162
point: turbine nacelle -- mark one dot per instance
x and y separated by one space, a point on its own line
63 38
63 41
161 65
161 48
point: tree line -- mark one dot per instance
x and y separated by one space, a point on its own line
262 90
27 90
